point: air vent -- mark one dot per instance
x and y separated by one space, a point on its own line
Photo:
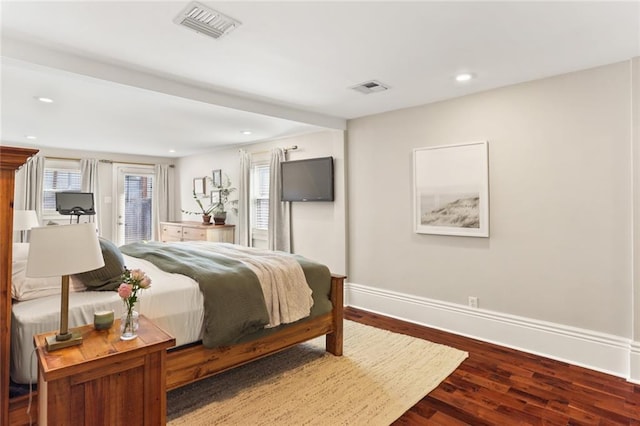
370 87
205 20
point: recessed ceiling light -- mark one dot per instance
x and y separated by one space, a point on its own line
246 132
31 137
464 76
172 151
45 100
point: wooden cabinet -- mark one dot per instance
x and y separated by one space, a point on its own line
195 231
104 381
10 160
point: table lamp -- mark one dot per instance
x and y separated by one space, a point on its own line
63 250
24 220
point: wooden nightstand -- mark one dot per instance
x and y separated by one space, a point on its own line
104 381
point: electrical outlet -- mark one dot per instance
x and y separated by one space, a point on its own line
473 301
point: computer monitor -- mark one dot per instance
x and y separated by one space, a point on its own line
75 203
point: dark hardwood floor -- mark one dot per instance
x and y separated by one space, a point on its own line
501 386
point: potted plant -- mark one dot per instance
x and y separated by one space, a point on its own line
204 211
220 209
217 207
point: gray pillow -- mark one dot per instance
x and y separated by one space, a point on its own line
109 277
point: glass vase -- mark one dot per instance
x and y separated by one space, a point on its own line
129 325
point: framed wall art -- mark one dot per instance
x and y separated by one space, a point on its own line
217 178
200 186
215 197
451 189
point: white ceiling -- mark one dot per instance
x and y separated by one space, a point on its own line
126 79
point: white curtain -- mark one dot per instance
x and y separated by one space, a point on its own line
34 185
163 196
279 237
244 199
89 171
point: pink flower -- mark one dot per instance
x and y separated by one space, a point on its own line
132 281
125 290
137 274
145 282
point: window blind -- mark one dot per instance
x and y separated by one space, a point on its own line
138 193
260 186
58 180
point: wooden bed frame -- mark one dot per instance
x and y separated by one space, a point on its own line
191 363
185 364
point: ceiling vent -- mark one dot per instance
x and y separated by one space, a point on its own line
372 86
205 20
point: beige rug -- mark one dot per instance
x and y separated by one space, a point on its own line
380 376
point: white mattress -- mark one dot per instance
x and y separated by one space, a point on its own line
173 302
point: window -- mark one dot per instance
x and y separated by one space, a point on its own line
260 197
58 179
259 204
135 204
137 211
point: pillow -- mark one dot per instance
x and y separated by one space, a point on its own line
27 288
109 277
20 251
23 288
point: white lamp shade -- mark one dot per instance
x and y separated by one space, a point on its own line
63 250
24 220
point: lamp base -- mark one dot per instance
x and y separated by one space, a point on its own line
53 344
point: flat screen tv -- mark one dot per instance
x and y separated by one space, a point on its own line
75 203
307 180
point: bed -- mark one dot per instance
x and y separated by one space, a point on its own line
175 302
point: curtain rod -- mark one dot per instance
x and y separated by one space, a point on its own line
132 163
291 148
103 161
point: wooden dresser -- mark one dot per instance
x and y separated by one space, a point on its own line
104 381
10 160
196 231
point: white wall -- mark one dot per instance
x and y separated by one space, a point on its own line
562 259
560 199
318 228
635 117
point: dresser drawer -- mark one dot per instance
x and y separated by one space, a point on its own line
171 233
222 235
195 231
193 234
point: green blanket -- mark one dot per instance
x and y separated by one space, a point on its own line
233 302
234 306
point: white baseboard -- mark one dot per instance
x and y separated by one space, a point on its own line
634 357
586 348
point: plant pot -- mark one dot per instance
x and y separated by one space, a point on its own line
219 218
206 219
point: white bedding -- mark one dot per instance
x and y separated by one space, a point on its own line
173 302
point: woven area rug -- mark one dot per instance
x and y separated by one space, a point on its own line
380 376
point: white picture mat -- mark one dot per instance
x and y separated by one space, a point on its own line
200 186
451 189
